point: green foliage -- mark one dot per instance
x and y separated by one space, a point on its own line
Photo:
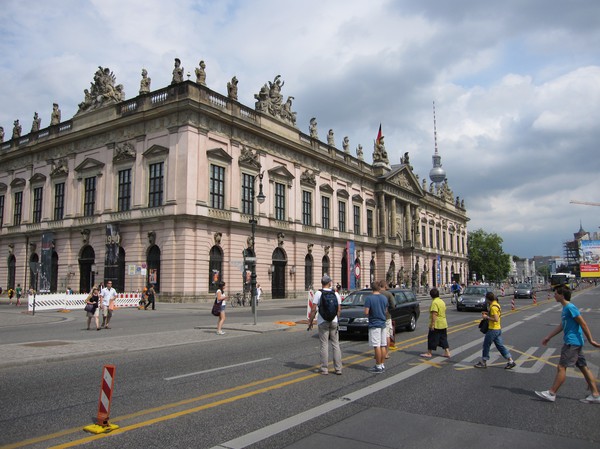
486 256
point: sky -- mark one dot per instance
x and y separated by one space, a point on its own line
516 85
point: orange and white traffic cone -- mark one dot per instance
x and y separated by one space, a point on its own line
106 389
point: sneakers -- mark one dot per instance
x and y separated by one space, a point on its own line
547 396
591 399
376 370
220 333
510 365
480 364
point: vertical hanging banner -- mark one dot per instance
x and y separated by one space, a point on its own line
438 264
46 262
350 250
113 241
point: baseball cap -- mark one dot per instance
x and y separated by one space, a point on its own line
326 280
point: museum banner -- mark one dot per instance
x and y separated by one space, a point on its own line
590 258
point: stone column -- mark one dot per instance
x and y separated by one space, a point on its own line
393 224
382 215
407 222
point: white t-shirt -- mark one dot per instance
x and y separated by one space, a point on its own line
316 300
107 294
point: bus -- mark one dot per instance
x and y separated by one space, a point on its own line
563 278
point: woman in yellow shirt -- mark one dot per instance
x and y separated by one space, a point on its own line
438 326
494 333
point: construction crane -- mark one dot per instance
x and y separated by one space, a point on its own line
585 203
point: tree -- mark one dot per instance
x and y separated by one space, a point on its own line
486 256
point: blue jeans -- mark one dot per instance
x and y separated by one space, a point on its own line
494 336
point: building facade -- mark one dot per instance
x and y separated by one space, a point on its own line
162 189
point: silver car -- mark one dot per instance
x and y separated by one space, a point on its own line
524 291
473 297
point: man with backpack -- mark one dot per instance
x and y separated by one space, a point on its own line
328 303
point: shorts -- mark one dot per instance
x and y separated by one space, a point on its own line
437 337
571 355
106 312
94 313
378 336
390 328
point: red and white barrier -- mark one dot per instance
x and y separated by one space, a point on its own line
58 301
512 304
534 298
106 390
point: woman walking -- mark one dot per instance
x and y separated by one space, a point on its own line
494 333
93 299
438 326
221 299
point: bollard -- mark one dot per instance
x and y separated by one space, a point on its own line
534 299
106 389
512 303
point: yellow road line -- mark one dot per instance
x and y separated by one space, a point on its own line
360 358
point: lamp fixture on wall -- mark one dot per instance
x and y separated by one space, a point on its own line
292 270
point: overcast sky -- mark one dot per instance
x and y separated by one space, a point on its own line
516 84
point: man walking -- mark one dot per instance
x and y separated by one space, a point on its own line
574 328
328 303
108 295
375 308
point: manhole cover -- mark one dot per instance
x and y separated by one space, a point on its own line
42 344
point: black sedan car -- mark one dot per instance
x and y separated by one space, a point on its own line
524 291
405 313
473 297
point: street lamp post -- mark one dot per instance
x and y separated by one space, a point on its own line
261 199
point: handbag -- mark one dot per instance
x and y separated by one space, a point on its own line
89 308
216 308
484 326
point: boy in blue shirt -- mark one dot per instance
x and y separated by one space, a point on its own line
574 327
375 306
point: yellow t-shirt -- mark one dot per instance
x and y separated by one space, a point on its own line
438 306
495 310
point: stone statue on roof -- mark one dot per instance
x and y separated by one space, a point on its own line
270 101
37 123
346 144
232 89
16 129
103 91
359 152
145 82
331 138
312 128
177 72
55 115
201 73
379 152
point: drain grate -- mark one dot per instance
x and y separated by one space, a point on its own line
43 344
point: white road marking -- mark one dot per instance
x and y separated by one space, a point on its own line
216 369
300 418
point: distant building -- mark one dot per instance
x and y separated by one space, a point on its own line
161 189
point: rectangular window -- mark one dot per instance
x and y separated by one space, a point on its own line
342 216
458 243
155 184
437 238
357 220
370 222
423 235
124 195
38 193
59 201
217 187
306 208
325 211
247 194
1 210
89 196
451 242
444 241
279 202
18 208
431 237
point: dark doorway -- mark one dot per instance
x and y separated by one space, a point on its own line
308 272
153 262
12 269
54 271
215 268
87 277
278 275
344 273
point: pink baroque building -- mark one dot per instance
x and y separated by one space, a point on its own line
162 189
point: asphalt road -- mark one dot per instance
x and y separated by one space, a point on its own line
257 387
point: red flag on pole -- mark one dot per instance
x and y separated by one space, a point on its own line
378 135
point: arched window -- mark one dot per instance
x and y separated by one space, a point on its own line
12 268
357 270
54 272
325 266
114 267
33 269
279 261
153 262
371 272
87 274
215 267
344 273
308 272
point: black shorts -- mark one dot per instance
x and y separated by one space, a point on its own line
437 337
